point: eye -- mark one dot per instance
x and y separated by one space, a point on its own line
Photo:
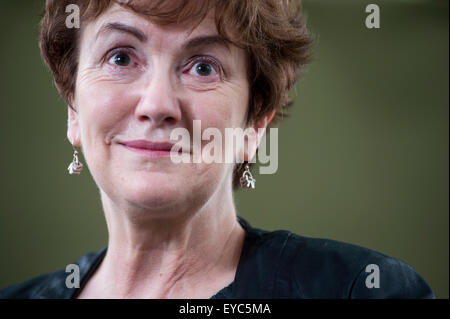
204 69
204 66
120 59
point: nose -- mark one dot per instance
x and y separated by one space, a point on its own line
159 103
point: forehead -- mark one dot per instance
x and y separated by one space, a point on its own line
150 29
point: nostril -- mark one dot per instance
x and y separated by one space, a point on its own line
170 120
144 117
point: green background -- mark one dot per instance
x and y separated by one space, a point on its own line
363 158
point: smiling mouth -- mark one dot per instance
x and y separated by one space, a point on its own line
151 149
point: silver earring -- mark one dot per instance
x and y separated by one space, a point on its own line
75 167
247 180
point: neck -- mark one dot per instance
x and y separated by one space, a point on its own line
161 257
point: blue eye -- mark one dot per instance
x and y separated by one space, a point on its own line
204 69
121 59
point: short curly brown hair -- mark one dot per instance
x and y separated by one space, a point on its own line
273 32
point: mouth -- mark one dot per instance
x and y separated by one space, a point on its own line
151 149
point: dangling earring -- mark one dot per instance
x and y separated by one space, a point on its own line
75 167
247 180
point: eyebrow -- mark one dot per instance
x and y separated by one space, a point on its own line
116 26
200 41
205 40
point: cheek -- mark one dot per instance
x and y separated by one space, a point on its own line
221 108
103 110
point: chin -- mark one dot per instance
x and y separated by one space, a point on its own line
157 193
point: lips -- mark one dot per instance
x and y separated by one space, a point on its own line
150 149
147 145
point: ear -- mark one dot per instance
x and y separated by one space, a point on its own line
253 139
73 128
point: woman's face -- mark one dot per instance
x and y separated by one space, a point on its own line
139 81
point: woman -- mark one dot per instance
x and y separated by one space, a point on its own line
133 73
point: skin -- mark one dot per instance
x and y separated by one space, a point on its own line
172 227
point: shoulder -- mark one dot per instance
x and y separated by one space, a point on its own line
327 267
53 284
306 267
29 288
